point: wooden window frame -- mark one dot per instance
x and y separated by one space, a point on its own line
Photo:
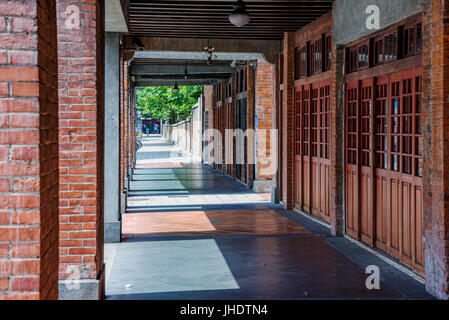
388 46
411 48
327 52
281 68
316 56
354 55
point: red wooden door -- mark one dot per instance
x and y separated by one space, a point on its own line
366 160
384 165
352 155
299 138
312 162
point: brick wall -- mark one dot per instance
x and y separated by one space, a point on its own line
208 111
28 150
264 111
287 115
250 79
337 140
436 146
124 122
81 108
127 119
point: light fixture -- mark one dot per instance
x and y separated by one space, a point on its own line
175 88
239 16
210 52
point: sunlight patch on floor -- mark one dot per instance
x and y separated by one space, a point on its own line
198 199
170 266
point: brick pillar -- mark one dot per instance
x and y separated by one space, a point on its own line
232 146
28 150
276 112
213 125
436 147
287 159
125 132
337 138
250 124
223 124
81 107
132 128
264 112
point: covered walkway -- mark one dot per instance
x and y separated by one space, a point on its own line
190 232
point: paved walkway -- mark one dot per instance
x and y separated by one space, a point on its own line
190 232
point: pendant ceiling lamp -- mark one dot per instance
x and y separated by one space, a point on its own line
239 16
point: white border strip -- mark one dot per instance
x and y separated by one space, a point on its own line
396 265
312 218
408 272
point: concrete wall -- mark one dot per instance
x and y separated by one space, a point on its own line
350 16
186 135
112 135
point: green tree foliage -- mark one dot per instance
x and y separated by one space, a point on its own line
162 103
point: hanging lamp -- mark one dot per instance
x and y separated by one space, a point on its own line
239 16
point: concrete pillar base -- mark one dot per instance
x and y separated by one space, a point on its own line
262 186
85 289
123 203
112 231
274 195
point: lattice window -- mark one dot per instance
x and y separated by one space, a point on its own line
365 125
327 53
363 56
316 57
299 126
381 132
352 127
305 122
395 126
314 122
301 59
378 52
391 47
358 57
324 121
419 38
418 146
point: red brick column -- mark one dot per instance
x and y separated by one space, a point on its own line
28 150
132 126
251 148
337 138
81 111
231 144
264 112
287 114
127 118
276 126
436 147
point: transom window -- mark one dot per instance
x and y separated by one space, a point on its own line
401 42
314 57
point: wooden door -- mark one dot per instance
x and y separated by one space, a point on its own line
352 164
312 162
299 125
384 165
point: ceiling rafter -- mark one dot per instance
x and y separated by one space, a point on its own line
209 19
